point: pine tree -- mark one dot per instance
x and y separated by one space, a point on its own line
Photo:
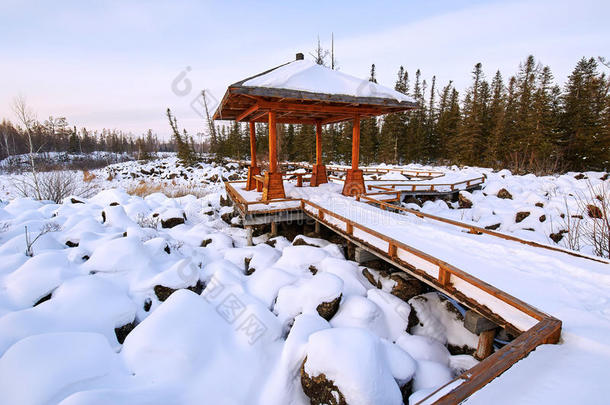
393 125
369 132
470 137
585 103
432 145
185 154
497 109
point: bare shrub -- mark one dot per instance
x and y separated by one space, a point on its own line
594 205
53 186
146 221
589 225
29 241
88 176
170 190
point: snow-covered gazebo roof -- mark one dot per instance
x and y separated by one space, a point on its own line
304 92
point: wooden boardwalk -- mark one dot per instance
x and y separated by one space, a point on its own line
533 326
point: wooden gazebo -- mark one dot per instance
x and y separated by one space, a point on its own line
302 92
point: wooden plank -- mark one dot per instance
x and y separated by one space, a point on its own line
247 112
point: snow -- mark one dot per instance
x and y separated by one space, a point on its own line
304 75
340 353
245 337
55 365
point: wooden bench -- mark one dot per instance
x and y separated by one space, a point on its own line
299 177
260 181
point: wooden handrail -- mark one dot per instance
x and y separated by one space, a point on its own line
547 330
478 230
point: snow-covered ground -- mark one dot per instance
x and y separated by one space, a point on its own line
90 315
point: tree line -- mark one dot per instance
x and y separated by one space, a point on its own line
527 123
55 134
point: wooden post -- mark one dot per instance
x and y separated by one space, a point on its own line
252 144
272 143
253 169
485 346
356 143
354 180
318 172
249 236
274 229
318 143
273 185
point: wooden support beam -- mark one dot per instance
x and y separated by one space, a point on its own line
253 169
318 171
272 142
356 142
273 183
318 143
252 144
247 112
321 108
485 346
354 180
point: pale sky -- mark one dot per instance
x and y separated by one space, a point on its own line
112 63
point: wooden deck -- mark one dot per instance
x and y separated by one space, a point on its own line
533 326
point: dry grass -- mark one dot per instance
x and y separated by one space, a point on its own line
87 176
172 190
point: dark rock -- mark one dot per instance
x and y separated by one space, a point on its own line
166 249
503 193
271 242
320 390
162 292
464 202
521 216
43 299
227 217
412 200
71 244
313 269
406 287
85 257
539 204
171 222
147 304
580 176
125 234
225 202
197 288
542 218
493 227
122 331
594 211
301 242
248 271
328 309
557 236
206 242
75 201
114 204
605 177
369 276
103 217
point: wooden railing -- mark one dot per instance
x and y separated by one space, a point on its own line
429 187
473 228
538 328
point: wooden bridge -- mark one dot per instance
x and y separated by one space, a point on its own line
363 221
